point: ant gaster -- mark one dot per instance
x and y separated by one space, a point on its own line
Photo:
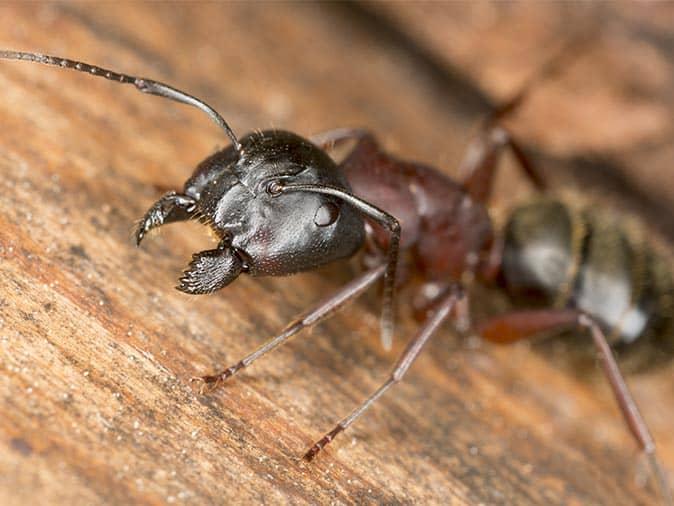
279 204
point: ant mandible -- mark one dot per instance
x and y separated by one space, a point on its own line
280 205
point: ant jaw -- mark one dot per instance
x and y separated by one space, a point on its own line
210 270
139 235
170 207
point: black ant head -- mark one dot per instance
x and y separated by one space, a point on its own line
263 228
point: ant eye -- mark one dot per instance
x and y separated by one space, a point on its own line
326 215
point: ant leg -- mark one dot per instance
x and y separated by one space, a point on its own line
382 217
478 168
323 310
171 207
490 264
443 310
517 325
628 406
333 138
430 295
523 324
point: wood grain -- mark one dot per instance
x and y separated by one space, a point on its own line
96 348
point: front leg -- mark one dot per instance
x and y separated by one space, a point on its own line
171 207
323 310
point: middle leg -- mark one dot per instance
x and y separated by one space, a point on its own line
443 310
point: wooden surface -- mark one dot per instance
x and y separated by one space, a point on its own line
96 348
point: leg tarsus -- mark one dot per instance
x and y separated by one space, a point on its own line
212 382
207 383
321 443
658 471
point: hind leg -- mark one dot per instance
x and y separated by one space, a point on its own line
478 168
442 311
518 325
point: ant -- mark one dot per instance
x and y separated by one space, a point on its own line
279 205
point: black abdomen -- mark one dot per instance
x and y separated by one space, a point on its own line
559 257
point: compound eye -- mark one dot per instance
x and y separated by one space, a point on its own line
326 215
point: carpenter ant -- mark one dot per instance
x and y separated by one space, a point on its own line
280 205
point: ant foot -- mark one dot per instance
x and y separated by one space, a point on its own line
321 443
208 383
213 382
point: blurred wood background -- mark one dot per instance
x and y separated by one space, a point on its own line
96 348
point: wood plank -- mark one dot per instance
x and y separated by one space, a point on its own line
96 348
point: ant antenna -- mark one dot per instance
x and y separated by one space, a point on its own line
550 68
143 85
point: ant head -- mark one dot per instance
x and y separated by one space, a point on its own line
278 202
264 229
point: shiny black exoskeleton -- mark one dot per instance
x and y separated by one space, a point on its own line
237 195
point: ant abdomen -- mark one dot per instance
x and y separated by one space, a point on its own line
579 259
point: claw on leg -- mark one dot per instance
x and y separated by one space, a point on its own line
208 383
212 382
